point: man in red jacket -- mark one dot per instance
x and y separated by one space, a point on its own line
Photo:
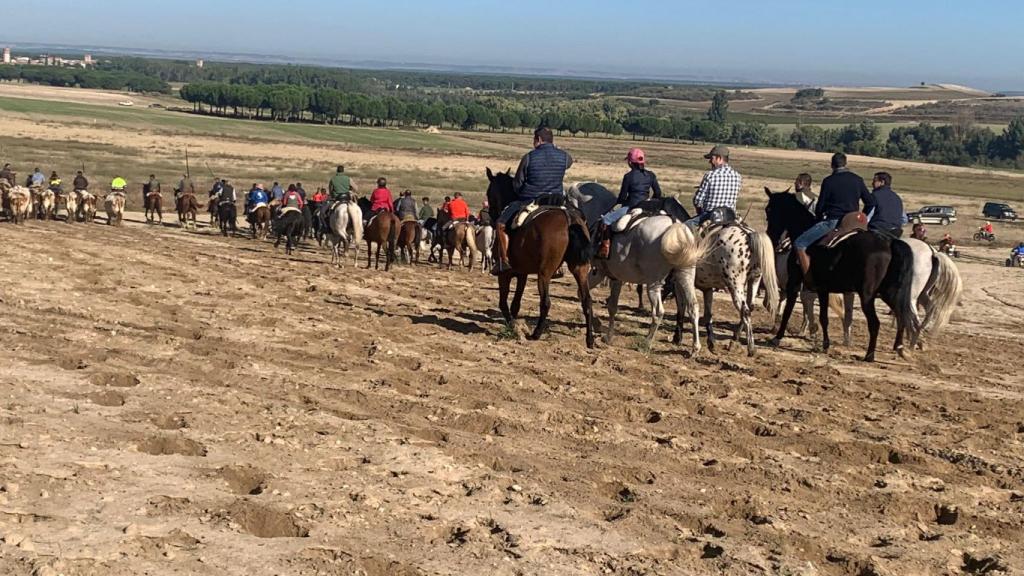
458 209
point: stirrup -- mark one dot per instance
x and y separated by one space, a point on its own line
499 268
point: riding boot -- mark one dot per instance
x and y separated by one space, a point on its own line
604 244
501 262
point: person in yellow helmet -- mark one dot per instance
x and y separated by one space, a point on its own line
118 184
55 183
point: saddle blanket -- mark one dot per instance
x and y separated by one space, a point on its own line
257 205
529 212
289 209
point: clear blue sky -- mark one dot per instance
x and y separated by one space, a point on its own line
804 41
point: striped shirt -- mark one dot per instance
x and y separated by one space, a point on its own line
720 187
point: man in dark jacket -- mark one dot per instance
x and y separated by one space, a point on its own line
841 194
889 216
540 173
80 182
406 207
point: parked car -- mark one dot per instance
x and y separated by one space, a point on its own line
944 215
998 211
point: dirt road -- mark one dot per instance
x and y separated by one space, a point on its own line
180 403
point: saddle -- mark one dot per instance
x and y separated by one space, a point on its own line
288 209
851 224
722 218
117 192
409 218
223 202
153 194
256 206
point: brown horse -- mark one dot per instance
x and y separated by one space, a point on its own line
154 207
259 221
460 236
552 236
382 229
409 237
188 208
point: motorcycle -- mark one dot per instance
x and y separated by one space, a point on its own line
1017 260
949 249
982 235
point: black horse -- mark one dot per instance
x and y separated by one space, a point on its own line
227 214
290 226
870 264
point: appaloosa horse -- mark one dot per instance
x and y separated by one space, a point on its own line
550 236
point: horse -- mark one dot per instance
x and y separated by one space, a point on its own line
188 208
936 287
381 229
592 199
866 263
70 203
154 207
656 249
552 235
409 236
86 205
47 204
459 236
212 207
259 221
737 259
345 227
113 203
485 244
289 226
18 201
227 216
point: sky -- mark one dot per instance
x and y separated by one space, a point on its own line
894 42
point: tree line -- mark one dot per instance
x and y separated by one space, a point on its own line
84 78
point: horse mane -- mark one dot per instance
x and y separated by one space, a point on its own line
500 192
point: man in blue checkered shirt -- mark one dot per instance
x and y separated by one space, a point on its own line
719 188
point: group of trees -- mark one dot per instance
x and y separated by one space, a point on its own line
84 78
958 144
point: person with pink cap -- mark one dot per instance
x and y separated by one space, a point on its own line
638 185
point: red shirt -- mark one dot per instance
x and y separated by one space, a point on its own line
380 199
458 209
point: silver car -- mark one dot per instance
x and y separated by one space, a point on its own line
944 215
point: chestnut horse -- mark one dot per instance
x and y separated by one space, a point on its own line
188 207
409 237
382 229
259 221
550 237
460 236
154 207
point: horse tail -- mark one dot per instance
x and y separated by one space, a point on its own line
355 217
680 248
763 254
944 295
837 304
579 251
471 240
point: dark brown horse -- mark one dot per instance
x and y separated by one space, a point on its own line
552 236
154 207
382 229
188 208
409 237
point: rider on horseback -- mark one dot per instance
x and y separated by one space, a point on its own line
540 173
292 199
340 189
637 187
380 198
80 182
36 179
719 189
151 187
458 210
56 184
406 208
888 217
118 185
255 197
841 194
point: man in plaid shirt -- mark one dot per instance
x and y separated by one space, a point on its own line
719 188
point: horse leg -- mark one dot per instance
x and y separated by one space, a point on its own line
504 282
369 253
544 289
376 263
517 298
792 291
809 325
640 297
615 287
848 318
868 306
582 275
657 308
708 301
823 320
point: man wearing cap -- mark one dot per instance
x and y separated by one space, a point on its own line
720 187
841 194
540 173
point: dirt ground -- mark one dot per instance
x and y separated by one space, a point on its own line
182 403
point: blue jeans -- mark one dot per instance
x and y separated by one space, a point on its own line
510 211
815 233
697 220
615 215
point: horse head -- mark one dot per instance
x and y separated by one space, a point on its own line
785 214
500 192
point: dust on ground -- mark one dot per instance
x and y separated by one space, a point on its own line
179 402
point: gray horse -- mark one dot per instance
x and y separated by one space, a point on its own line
655 250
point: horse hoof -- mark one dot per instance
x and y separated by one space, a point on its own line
774 342
869 358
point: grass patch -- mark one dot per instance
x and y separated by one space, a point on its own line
507 332
641 345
